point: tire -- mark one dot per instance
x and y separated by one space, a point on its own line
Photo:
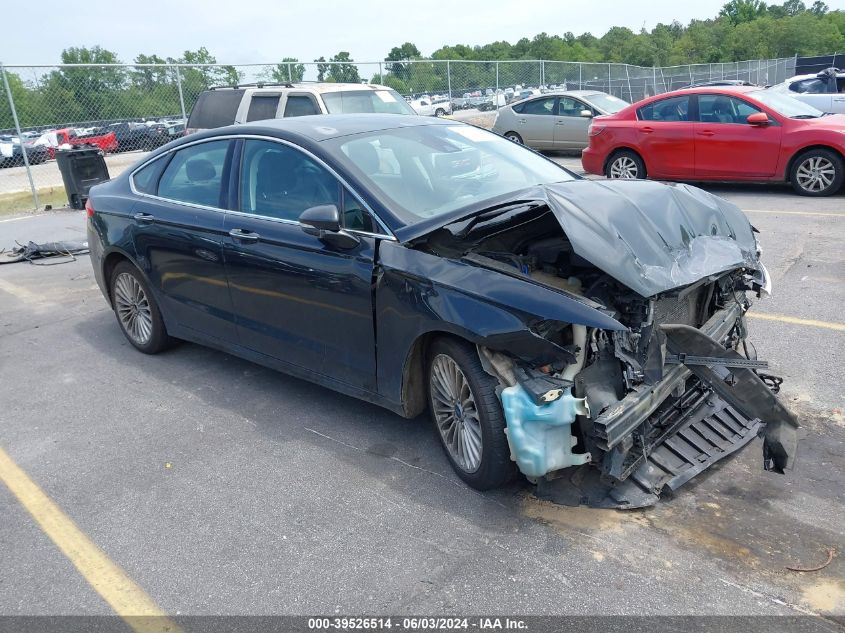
625 165
440 112
137 311
471 427
513 136
817 172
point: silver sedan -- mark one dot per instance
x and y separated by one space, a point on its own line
556 120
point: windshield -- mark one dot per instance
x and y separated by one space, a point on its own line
354 101
607 103
786 106
430 170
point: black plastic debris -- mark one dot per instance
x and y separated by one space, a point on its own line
56 252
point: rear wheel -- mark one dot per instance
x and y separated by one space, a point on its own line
625 165
468 415
817 172
440 112
513 136
136 310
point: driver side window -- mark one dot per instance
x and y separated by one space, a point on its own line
278 181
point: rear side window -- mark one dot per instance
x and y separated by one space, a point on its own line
381 101
146 178
300 105
539 106
262 107
672 109
195 174
215 108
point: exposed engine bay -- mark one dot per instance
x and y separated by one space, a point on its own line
615 416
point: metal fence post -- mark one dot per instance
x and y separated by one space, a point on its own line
380 73
497 77
580 76
290 76
542 72
181 96
449 78
20 137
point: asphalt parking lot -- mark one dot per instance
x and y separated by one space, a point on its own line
220 487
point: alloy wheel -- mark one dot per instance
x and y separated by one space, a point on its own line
455 412
624 167
133 308
815 174
514 138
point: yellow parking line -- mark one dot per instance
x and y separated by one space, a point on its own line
820 214
127 599
796 321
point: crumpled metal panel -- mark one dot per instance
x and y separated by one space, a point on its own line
651 236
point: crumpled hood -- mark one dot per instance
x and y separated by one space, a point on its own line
651 236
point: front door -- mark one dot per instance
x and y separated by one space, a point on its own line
727 146
298 299
570 126
178 236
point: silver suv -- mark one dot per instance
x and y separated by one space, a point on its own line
219 107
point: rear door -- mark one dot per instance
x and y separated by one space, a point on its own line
178 236
263 105
664 136
570 127
727 146
535 122
299 300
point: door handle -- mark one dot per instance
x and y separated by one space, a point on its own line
706 133
244 236
522 121
646 130
144 218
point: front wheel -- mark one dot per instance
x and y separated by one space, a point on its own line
137 311
468 415
440 112
818 172
625 165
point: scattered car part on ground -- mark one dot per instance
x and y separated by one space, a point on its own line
721 134
556 120
81 168
418 263
65 251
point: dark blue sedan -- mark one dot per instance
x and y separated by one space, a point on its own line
549 324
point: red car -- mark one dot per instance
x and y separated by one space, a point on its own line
106 141
726 133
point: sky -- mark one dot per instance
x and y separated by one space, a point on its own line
264 31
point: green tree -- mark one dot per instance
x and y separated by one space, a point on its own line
739 11
344 70
290 69
399 54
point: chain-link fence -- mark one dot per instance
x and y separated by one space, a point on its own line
130 109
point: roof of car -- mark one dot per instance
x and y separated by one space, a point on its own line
321 127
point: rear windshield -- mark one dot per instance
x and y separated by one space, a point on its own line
215 108
352 101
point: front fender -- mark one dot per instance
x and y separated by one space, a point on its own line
417 293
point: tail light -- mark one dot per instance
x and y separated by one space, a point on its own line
595 130
89 208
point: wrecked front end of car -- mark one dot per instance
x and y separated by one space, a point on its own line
610 413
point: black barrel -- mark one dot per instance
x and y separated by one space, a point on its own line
82 168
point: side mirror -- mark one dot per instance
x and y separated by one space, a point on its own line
758 118
587 114
323 222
